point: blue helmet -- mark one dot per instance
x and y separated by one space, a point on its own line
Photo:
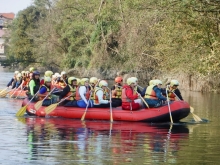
36 73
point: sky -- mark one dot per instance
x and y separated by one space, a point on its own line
14 6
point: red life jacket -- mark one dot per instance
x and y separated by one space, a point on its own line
87 94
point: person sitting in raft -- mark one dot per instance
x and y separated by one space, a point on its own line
44 90
70 90
100 100
153 95
93 83
19 81
137 87
34 85
12 82
173 91
130 99
63 80
117 90
25 81
83 94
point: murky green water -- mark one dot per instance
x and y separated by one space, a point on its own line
29 140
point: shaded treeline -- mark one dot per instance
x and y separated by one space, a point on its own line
153 36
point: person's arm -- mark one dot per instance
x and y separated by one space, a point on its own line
31 86
64 92
158 94
10 82
177 92
99 94
143 92
82 92
129 93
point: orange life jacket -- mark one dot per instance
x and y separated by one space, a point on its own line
171 95
150 93
71 92
62 84
96 100
78 97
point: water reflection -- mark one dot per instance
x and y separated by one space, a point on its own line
100 142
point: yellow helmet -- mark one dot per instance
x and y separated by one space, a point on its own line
48 73
103 83
93 80
23 72
131 80
174 83
47 79
70 79
83 80
151 82
31 69
78 81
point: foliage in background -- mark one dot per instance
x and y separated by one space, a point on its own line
149 36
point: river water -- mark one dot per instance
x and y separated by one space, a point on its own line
33 140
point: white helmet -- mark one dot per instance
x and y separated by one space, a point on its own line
16 72
57 75
47 79
131 80
103 83
63 72
18 75
174 82
157 82
135 78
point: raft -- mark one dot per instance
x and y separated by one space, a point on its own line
20 94
179 110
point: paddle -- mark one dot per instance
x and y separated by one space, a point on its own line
195 117
111 117
143 99
84 114
3 94
23 109
3 90
50 108
39 103
171 119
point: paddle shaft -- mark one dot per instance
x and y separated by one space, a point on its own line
48 94
84 114
111 117
171 119
143 99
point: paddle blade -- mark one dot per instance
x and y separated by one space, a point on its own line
50 108
196 118
38 104
3 90
21 111
4 94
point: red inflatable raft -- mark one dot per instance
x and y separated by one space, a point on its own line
179 110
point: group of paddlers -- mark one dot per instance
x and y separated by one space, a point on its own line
93 92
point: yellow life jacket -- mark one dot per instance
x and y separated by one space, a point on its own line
72 92
118 92
96 100
150 93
